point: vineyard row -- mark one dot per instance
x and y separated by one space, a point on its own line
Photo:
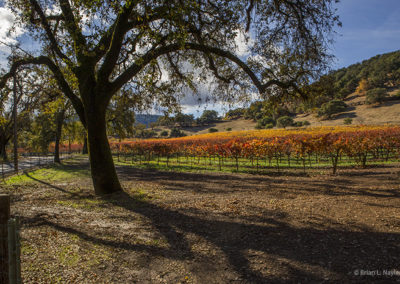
360 147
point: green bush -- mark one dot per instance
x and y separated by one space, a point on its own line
332 107
229 129
264 121
376 95
269 126
284 121
306 123
175 132
235 113
348 121
298 124
164 133
212 130
267 120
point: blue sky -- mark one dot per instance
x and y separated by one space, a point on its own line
370 27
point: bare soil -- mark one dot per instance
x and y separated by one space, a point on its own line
212 228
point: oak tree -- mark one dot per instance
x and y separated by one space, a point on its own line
164 48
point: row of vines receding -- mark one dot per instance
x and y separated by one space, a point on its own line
256 153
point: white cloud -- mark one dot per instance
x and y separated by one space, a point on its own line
243 44
7 33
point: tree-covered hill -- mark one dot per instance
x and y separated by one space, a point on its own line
380 71
374 81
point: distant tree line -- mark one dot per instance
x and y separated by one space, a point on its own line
188 120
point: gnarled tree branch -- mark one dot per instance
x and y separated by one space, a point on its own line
58 75
74 30
154 54
49 33
117 38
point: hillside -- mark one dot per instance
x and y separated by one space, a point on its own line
224 125
349 84
360 113
380 71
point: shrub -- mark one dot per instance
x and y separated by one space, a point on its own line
269 126
376 95
332 107
264 121
347 120
229 129
298 124
267 120
235 113
212 130
145 133
284 121
306 123
175 132
164 133
259 125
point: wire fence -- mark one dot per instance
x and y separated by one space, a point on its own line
256 164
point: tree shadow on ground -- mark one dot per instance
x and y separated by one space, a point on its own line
228 183
49 184
253 248
308 254
42 220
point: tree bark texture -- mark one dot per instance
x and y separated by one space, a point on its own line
104 175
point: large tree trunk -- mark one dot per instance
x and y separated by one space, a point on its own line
105 179
59 123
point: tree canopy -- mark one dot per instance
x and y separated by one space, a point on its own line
161 49
208 116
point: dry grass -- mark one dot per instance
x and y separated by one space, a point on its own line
387 113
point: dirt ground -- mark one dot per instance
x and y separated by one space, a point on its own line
212 228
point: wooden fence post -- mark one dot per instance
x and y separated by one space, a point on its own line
14 251
4 216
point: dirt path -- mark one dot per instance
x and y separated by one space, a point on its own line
212 228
